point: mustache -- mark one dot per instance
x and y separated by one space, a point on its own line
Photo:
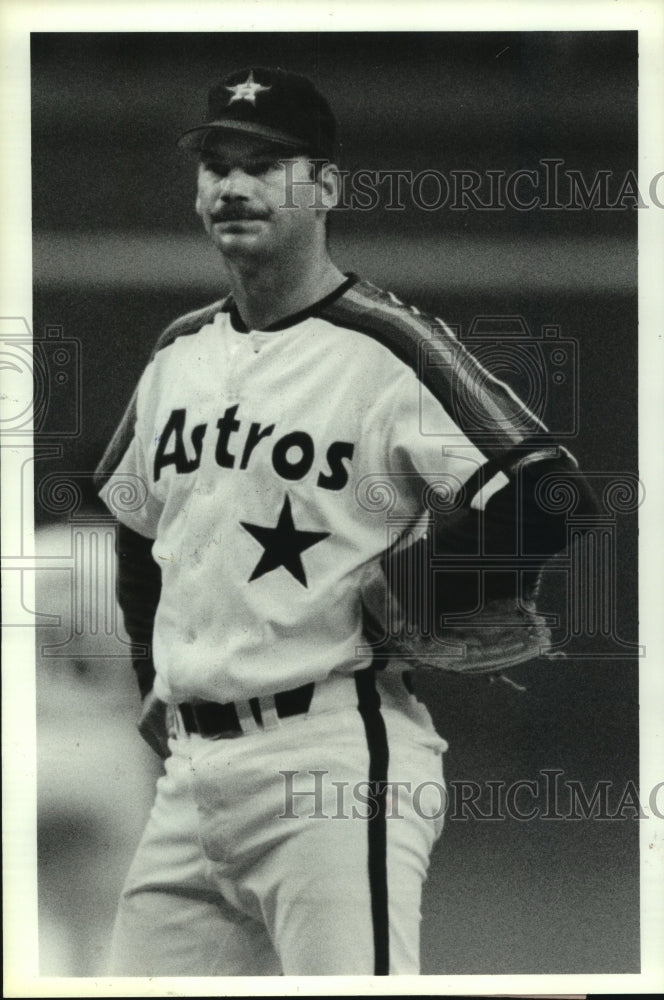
236 213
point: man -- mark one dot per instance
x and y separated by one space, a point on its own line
286 836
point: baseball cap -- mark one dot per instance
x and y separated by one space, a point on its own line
274 104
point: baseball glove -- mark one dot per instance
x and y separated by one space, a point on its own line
503 634
449 622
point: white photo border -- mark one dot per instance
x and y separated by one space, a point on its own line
17 20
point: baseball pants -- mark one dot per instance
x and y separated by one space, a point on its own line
291 849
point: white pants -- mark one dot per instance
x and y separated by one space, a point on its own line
270 853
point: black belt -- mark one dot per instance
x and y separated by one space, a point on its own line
213 720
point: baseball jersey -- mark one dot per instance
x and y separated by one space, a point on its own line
276 462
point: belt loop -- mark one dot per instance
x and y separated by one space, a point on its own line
182 727
174 724
269 712
248 723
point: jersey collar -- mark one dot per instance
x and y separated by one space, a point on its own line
315 309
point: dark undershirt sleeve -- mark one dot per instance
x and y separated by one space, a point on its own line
138 590
519 526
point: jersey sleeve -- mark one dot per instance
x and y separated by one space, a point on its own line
124 486
122 476
484 456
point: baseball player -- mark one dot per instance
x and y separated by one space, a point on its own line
292 829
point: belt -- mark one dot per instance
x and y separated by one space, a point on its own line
215 721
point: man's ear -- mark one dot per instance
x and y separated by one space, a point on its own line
330 180
199 205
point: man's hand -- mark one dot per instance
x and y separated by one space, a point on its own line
153 724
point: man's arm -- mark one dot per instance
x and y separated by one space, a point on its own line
490 476
138 592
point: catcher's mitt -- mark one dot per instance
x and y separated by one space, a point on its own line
451 621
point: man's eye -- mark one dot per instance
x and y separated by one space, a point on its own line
261 166
252 167
213 167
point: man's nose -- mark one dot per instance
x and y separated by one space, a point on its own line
235 184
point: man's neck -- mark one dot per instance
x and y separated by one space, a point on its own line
266 294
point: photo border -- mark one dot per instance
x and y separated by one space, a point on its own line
19 814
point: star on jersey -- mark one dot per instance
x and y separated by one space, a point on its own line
246 91
283 545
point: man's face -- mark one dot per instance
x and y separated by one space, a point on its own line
257 199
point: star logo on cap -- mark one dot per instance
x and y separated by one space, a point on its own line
246 91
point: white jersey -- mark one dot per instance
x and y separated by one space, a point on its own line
276 463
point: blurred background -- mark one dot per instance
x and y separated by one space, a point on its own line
119 252
95 776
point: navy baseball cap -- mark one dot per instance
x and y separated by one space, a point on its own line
283 107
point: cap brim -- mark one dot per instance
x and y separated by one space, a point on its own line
194 139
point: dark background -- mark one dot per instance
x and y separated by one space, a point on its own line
119 252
